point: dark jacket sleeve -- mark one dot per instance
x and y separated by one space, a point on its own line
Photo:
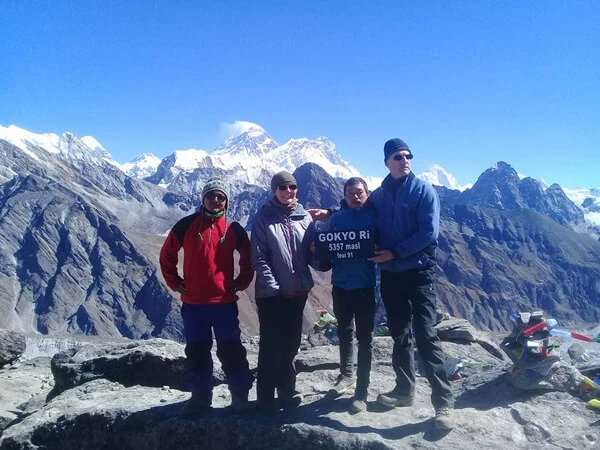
244 279
168 260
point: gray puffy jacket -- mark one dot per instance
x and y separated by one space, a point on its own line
281 251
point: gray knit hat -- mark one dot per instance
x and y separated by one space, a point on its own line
215 184
394 145
282 178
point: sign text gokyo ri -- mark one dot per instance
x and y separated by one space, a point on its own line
341 245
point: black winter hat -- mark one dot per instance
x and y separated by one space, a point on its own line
394 145
281 179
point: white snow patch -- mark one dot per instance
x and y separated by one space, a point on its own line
25 140
438 176
231 130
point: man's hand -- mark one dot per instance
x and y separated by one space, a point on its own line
382 256
233 287
319 214
181 288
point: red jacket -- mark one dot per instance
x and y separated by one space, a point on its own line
208 261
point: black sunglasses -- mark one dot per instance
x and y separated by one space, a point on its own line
218 197
284 187
401 157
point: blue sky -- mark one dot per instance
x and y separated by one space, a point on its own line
464 83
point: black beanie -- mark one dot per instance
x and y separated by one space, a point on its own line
282 178
394 145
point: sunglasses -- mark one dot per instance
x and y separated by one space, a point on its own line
284 187
401 157
218 197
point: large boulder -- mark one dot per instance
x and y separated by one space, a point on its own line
155 362
12 345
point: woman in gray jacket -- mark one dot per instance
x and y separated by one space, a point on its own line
280 254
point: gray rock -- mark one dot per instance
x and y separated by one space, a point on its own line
23 388
102 414
156 362
12 345
456 329
576 351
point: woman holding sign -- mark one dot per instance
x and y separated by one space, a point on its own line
280 255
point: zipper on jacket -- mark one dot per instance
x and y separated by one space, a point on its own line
288 223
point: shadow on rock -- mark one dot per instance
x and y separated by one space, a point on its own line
490 391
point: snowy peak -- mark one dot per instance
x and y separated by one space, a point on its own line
67 146
142 166
253 143
438 176
96 147
588 200
320 151
180 161
29 142
252 155
188 160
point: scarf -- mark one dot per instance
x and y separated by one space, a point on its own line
213 217
286 209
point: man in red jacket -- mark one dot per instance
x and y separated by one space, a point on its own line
208 292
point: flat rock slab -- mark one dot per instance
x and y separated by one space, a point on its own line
23 388
102 414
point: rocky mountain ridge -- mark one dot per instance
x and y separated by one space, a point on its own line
80 241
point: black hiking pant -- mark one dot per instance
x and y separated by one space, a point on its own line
409 300
280 320
357 304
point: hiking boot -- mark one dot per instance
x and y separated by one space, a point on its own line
393 399
444 420
198 404
239 402
342 385
291 402
358 405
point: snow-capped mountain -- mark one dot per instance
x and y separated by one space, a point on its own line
67 146
141 166
588 200
251 143
96 147
320 151
250 157
438 176
25 140
253 156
